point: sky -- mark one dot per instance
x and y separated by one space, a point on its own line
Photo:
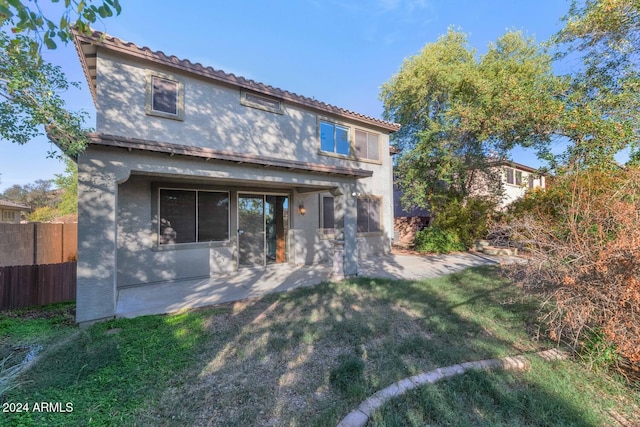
339 52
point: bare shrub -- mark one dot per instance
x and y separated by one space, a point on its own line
583 238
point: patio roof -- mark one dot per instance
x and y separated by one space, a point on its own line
224 156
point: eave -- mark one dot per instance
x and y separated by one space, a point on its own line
208 154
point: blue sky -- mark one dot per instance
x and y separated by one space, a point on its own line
339 52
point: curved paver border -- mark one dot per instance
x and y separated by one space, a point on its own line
360 416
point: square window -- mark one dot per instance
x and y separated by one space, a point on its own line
164 97
189 216
334 138
367 146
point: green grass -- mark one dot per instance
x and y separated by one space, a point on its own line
560 393
303 358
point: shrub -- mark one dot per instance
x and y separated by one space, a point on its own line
436 240
467 220
584 240
44 214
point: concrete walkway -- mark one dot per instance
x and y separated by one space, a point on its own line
360 416
168 297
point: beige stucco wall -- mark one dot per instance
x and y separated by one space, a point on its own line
117 188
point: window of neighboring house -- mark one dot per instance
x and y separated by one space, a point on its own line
367 146
8 215
514 177
518 177
189 216
261 102
510 175
334 138
165 97
531 181
369 215
327 215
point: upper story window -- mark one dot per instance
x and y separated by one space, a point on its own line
250 99
514 176
164 97
367 145
334 138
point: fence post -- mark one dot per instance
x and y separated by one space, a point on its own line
35 243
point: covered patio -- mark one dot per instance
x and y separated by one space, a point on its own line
173 296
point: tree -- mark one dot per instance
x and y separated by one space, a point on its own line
36 195
29 18
460 113
603 114
30 99
68 184
30 88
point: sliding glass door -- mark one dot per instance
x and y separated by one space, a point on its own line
263 224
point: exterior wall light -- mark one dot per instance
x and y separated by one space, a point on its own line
301 209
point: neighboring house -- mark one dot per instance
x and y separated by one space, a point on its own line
517 179
11 212
194 172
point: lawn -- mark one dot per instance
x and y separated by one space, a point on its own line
308 357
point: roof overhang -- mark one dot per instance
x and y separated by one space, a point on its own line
208 154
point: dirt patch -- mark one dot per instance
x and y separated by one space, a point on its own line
66 314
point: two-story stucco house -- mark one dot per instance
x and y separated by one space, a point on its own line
193 172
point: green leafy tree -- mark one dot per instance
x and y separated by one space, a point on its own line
68 184
30 88
460 113
30 99
27 17
603 103
36 195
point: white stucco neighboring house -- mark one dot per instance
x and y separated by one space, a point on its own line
193 172
11 212
517 179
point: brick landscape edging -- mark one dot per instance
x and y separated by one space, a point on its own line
360 416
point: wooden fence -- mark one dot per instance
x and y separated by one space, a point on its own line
38 243
28 285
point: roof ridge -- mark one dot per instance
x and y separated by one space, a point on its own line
105 40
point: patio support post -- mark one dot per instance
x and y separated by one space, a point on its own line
346 246
97 229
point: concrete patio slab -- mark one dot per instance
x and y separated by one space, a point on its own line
167 297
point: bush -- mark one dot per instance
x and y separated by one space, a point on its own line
584 239
45 214
436 240
467 221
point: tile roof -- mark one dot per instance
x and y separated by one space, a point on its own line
8 204
86 46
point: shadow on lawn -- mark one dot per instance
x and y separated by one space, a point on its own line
271 361
277 360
